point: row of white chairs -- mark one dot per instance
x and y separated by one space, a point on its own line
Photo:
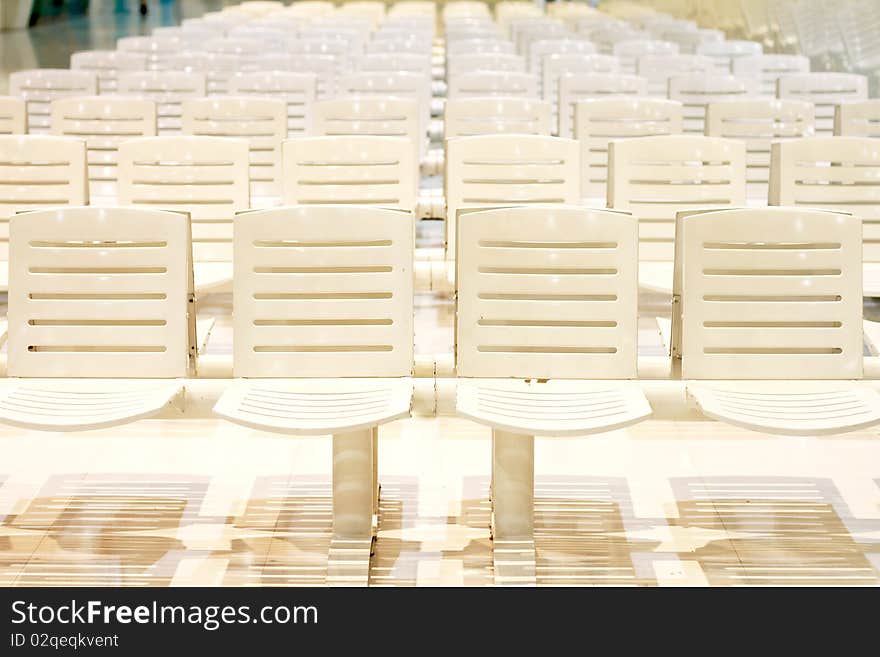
652 176
323 334
298 90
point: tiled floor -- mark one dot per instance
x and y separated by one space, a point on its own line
203 502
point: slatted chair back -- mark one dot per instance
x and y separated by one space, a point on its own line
573 88
260 121
494 170
465 117
858 119
825 91
323 291
759 122
656 177
547 292
100 293
104 122
351 169
39 171
297 90
107 64
206 177
168 89
840 174
599 121
770 293
39 87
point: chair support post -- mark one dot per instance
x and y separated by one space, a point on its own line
355 507
513 508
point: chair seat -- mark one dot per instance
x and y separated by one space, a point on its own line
551 408
315 406
82 404
212 276
793 408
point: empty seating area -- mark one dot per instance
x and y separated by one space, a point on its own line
551 221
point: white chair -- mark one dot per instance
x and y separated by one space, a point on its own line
488 171
767 69
101 327
13 115
324 67
573 88
206 177
39 87
309 9
465 117
688 39
391 117
261 121
770 333
323 344
655 177
297 90
506 12
724 52
524 32
605 35
395 62
218 68
858 119
157 50
557 65
247 51
38 171
337 50
345 43
657 69
838 174
386 84
107 64
629 51
104 122
273 38
546 332
543 47
190 36
509 84
372 10
477 46
168 89
464 9
825 91
759 122
487 61
403 42
257 7
350 169
598 121
695 92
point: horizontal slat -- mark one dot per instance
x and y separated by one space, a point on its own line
348 282
73 283
384 336
335 256
151 337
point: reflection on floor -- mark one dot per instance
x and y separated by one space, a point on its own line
660 504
